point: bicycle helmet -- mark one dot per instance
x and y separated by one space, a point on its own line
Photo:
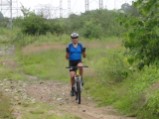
74 35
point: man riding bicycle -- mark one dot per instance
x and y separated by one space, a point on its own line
74 53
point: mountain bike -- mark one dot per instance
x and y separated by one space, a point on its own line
78 83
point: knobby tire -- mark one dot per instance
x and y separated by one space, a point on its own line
78 93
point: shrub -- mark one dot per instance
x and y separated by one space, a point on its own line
34 25
151 109
92 31
56 27
143 32
113 68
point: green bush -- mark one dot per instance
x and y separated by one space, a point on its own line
92 24
151 109
92 31
153 104
141 97
113 68
95 24
34 25
143 32
56 27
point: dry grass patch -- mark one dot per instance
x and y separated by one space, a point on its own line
42 47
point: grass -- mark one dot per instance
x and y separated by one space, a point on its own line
50 64
5 108
9 68
45 65
43 111
109 79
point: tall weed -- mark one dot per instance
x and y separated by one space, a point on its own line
140 95
5 107
113 67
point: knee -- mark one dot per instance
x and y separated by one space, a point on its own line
80 64
72 75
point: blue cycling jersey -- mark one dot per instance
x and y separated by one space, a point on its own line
75 53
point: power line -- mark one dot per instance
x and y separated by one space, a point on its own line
10 20
8 4
100 4
58 11
69 7
60 8
86 5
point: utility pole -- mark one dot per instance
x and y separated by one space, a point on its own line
86 5
60 8
17 12
4 5
1 5
100 4
10 20
69 7
114 4
8 7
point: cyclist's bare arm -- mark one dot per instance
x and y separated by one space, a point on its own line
67 55
84 54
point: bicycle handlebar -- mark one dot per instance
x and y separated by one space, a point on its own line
76 67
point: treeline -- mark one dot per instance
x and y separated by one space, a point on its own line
92 24
95 24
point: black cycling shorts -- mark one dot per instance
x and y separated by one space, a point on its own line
73 64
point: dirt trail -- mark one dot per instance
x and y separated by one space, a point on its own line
57 93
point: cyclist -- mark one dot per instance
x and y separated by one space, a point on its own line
74 53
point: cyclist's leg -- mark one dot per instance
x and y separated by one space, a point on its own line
72 74
80 64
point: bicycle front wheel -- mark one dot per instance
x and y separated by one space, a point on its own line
78 93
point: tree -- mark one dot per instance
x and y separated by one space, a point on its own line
95 24
129 9
25 11
34 24
143 35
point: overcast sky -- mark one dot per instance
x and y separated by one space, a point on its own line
77 6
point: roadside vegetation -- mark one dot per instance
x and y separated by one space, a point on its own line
122 48
5 108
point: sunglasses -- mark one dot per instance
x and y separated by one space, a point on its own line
75 38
